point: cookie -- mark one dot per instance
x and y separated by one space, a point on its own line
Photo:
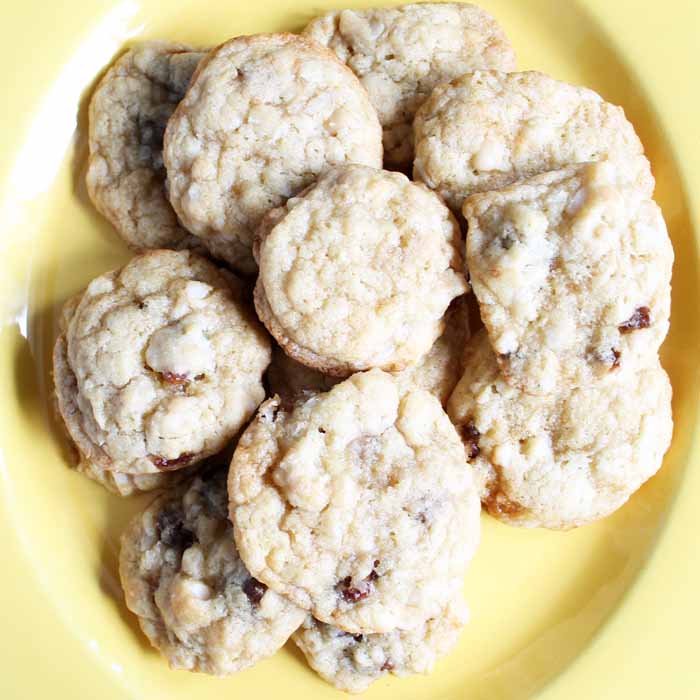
263 117
357 504
488 129
438 372
352 662
164 364
133 484
66 385
128 113
401 53
565 459
358 271
572 272
194 598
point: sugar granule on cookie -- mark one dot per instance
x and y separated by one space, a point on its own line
352 662
159 364
194 598
128 113
572 273
401 53
488 129
356 504
567 458
358 271
264 116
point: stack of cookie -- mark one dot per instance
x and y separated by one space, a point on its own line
281 270
564 403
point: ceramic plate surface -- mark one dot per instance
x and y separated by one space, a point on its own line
606 611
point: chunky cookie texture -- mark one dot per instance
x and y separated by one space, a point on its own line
357 504
264 116
401 53
358 271
66 388
438 372
160 364
567 458
193 596
128 113
572 272
352 662
488 129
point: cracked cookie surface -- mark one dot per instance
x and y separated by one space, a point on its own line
357 504
488 129
572 273
263 117
165 363
358 271
194 598
401 53
353 662
128 113
566 459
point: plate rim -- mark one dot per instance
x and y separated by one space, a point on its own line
663 663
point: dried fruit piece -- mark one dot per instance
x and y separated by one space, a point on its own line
254 589
175 378
641 318
470 437
167 464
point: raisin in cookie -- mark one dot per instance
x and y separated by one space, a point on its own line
358 271
438 372
263 117
565 459
356 504
352 662
193 596
489 129
401 53
128 114
163 364
572 272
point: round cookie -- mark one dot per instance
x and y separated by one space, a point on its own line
66 385
356 504
128 113
438 372
353 662
264 116
566 459
488 129
358 271
572 272
193 596
401 53
164 364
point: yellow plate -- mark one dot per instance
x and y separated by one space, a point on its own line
603 612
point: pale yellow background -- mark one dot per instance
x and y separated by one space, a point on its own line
609 611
